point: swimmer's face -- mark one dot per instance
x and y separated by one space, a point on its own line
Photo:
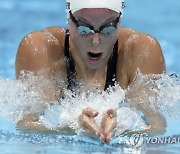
94 48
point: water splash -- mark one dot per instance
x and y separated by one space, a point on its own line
21 97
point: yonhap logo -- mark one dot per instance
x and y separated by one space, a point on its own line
163 140
136 140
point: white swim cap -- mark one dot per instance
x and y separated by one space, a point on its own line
75 5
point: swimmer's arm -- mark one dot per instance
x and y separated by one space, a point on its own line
37 52
152 63
148 58
32 123
156 123
42 53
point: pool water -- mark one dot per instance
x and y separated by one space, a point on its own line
18 18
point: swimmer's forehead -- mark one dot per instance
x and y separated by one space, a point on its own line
95 13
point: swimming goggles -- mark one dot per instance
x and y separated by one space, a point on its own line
85 29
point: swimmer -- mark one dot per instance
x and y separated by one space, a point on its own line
95 49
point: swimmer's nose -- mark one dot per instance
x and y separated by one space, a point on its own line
96 39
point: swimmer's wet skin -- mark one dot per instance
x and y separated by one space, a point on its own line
95 35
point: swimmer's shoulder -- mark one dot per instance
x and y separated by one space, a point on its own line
138 51
129 38
48 37
40 49
136 44
58 32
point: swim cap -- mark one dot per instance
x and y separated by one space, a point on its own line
75 5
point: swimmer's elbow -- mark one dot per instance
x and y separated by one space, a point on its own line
154 130
29 126
30 122
158 126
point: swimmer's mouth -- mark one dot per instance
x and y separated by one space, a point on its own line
94 56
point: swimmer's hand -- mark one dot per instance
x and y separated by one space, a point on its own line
87 122
108 124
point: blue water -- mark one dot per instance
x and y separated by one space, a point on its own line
159 18
20 17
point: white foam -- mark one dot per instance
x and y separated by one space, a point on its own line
20 97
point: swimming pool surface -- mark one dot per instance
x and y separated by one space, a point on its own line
159 18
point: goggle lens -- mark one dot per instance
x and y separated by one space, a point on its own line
84 30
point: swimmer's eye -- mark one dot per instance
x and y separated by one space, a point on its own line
83 30
108 30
